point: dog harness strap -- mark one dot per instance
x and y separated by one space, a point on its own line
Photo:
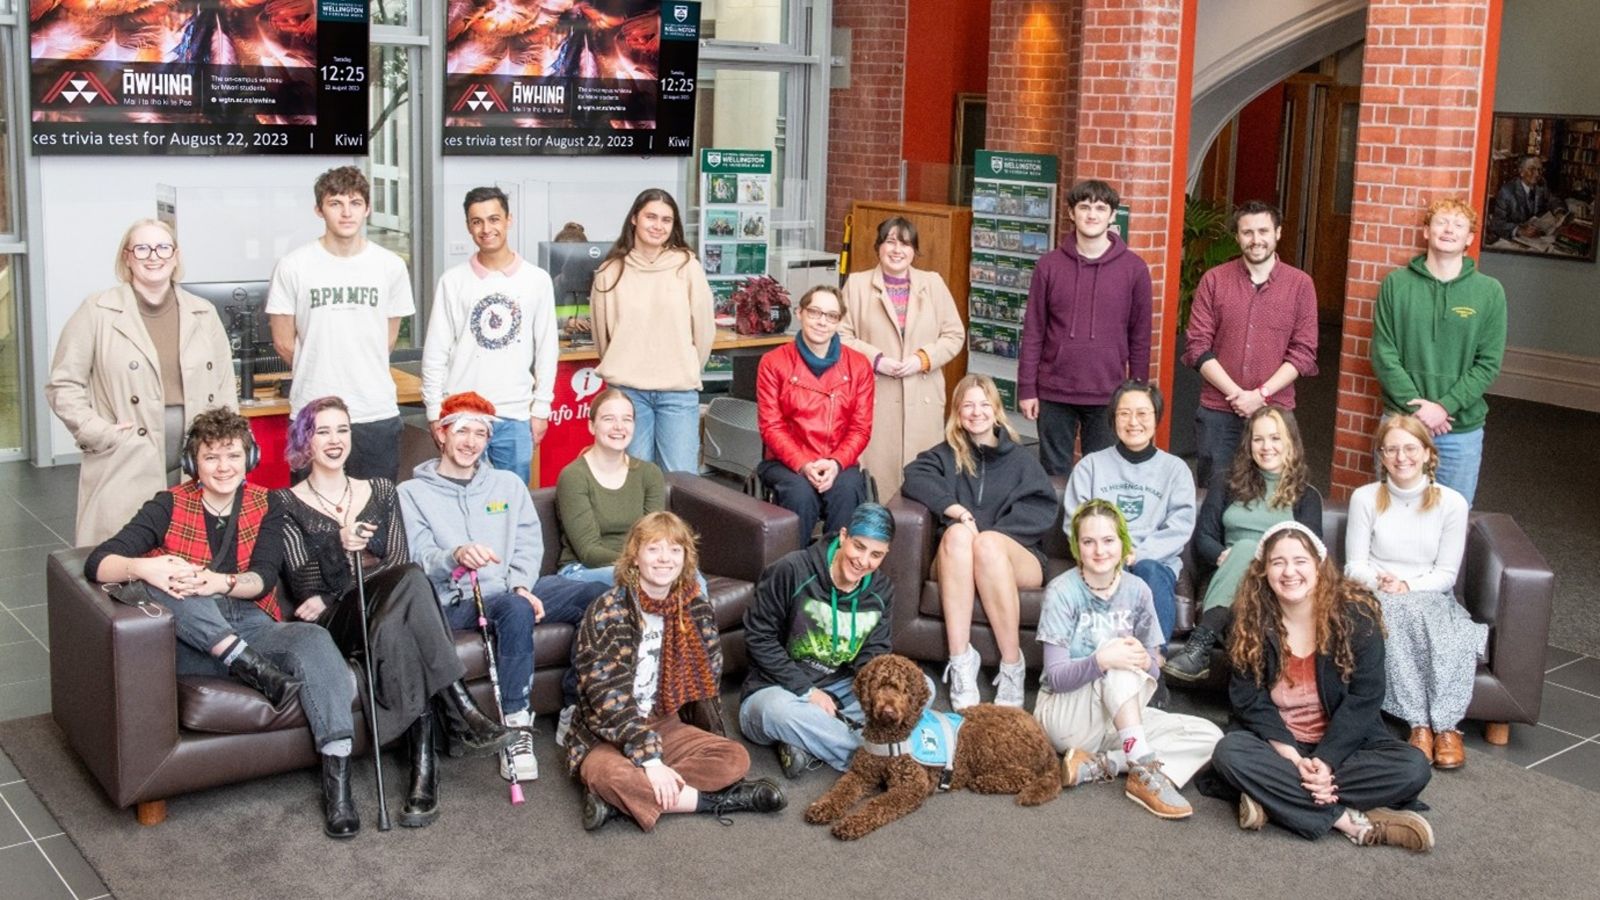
950 745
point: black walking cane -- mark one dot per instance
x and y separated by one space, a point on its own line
372 695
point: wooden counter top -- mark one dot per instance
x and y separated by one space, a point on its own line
725 340
408 389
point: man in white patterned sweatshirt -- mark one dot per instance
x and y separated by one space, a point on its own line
493 330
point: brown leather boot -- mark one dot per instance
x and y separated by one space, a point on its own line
1422 739
1448 752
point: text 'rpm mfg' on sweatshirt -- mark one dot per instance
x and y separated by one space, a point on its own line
1439 340
1087 325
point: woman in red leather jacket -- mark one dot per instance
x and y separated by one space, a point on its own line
815 412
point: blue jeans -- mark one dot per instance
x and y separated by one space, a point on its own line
1163 590
303 649
511 447
564 601
666 428
772 714
1460 456
1216 439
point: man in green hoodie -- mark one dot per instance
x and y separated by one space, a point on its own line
1438 336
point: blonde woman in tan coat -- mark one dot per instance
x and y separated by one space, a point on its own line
905 321
133 367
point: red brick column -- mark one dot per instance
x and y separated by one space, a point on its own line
865 120
1034 59
1426 90
1136 81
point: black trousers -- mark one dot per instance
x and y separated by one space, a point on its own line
1216 438
1385 772
1061 424
794 493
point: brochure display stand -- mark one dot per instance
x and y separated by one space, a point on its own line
1013 224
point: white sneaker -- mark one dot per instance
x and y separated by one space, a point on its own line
1011 683
522 718
962 673
564 724
517 762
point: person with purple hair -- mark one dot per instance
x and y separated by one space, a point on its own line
330 519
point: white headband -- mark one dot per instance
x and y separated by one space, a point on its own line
454 421
1291 525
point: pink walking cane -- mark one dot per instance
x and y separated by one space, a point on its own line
494 671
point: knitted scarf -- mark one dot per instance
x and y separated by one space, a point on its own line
686 673
817 364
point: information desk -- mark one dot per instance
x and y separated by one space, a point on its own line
577 382
269 423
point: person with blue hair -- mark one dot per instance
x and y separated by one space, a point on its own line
820 614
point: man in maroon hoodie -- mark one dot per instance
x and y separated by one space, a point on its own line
1086 330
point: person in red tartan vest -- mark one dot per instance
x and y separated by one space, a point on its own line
209 551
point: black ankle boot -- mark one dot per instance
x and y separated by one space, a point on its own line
260 673
597 812
471 732
1193 662
748 795
338 807
422 801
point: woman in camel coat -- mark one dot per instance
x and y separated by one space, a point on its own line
106 381
905 321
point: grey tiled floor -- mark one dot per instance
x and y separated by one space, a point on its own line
38 861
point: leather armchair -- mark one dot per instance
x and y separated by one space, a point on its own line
146 734
1504 581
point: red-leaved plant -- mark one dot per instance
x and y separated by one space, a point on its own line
761 306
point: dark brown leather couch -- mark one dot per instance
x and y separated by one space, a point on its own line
146 734
1504 581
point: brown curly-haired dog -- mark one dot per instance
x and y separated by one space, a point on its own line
999 750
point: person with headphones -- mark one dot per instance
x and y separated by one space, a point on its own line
209 552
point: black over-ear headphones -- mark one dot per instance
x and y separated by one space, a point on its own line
190 461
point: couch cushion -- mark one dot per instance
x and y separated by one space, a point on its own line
225 706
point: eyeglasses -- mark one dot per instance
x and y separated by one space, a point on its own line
1410 451
812 312
1141 415
161 251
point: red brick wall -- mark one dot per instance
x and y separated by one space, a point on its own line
865 120
1033 80
1133 131
1426 81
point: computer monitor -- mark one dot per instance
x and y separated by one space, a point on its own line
242 306
571 266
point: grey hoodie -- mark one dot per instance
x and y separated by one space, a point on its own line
1154 491
494 509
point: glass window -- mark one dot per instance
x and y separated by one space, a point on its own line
7 222
391 12
389 156
12 402
747 21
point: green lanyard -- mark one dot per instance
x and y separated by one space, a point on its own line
833 600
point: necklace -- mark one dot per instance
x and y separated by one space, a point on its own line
1115 577
222 513
337 512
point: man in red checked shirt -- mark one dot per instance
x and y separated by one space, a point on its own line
1252 333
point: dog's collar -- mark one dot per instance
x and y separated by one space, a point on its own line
929 729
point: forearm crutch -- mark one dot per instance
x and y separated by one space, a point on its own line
494 671
372 695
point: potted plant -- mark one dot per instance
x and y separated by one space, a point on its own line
761 306
1206 243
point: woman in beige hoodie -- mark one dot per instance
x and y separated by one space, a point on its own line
653 327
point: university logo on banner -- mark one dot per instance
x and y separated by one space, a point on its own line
996 164
680 12
713 158
480 97
74 87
